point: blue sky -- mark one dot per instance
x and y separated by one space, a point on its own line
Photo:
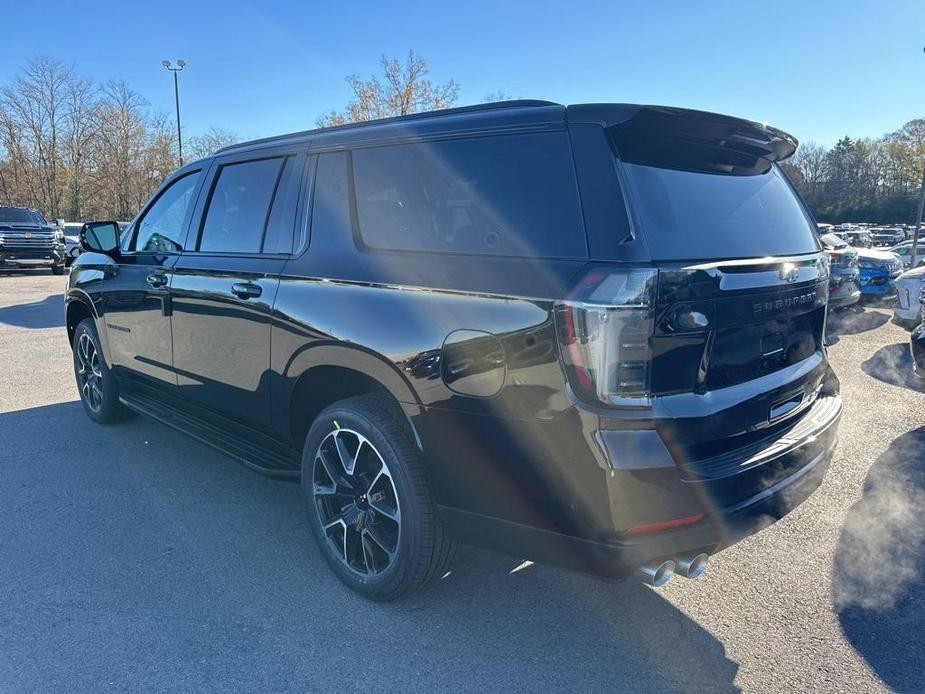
817 69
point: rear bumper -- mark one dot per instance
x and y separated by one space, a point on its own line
906 323
846 298
844 288
735 497
617 560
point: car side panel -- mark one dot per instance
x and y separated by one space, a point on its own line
503 455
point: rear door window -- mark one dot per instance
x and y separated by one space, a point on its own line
281 222
239 207
513 195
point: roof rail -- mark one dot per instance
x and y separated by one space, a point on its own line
514 103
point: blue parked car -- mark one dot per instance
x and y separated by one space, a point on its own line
879 271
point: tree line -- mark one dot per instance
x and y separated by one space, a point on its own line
80 149
865 179
75 148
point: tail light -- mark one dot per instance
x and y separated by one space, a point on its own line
605 328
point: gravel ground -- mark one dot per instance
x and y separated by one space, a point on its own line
133 558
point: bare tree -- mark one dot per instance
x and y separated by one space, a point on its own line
499 95
402 88
35 105
810 159
69 146
82 121
119 148
210 141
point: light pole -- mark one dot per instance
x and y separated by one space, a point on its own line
176 95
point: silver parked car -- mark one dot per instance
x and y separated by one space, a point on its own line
907 311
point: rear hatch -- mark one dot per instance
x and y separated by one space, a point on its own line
739 307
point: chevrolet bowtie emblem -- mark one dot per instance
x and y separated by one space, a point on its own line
789 272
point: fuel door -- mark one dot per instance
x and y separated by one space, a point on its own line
473 363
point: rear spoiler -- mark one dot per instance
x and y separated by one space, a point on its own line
712 129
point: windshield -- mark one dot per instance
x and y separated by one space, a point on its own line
694 214
19 215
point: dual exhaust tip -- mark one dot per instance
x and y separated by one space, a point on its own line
659 573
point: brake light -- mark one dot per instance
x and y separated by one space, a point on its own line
605 327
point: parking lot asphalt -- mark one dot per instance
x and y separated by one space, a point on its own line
133 558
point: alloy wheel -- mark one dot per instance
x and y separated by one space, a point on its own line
89 375
356 501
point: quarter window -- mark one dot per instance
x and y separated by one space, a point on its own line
513 195
162 227
239 207
331 202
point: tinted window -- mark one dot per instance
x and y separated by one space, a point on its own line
698 215
239 206
278 236
510 195
18 215
162 227
330 201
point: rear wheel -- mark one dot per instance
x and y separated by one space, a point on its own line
369 503
98 390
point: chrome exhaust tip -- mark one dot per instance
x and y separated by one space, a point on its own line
692 565
657 574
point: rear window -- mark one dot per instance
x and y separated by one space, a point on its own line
689 213
510 195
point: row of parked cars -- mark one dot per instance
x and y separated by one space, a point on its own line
858 272
868 236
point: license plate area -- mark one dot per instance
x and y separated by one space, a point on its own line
745 352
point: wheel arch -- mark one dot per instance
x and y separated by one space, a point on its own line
78 307
321 374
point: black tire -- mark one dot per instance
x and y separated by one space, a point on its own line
100 398
422 550
57 269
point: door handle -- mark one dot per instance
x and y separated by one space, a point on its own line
246 290
157 279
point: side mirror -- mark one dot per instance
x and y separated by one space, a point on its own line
59 222
100 237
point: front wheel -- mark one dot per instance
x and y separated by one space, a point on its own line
369 503
98 390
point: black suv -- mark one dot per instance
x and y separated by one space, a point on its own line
27 240
587 335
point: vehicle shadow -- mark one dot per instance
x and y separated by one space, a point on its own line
893 364
47 313
212 567
879 562
854 320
